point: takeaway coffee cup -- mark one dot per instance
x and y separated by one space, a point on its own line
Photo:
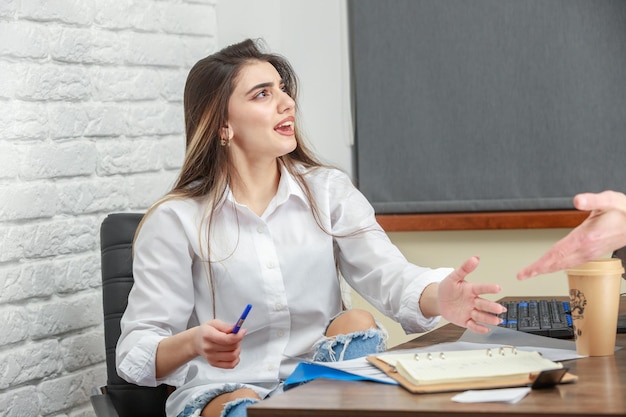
594 291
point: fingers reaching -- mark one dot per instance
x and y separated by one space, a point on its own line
487 289
548 263
602 232
604 201
461 302
488 314
466 268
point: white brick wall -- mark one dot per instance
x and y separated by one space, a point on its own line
91 123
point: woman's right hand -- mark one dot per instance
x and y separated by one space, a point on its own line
213 340
216 343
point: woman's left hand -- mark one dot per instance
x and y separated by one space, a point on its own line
460 302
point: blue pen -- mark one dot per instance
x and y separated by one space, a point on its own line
241 319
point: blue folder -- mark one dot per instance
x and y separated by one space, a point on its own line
306 372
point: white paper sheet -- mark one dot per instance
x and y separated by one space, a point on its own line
507 395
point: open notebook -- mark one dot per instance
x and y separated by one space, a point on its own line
470 369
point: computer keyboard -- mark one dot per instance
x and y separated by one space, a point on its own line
550 318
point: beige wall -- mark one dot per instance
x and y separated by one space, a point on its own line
502 254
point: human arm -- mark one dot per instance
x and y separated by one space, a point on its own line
603 231
160 333
412 295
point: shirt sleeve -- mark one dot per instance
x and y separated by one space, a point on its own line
374 266
161 300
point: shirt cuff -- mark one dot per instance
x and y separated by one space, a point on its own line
412 319
139 365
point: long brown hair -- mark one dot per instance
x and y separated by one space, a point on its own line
207 167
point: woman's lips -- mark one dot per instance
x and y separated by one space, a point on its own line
285 127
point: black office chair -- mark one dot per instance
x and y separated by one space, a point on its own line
621 255
120 398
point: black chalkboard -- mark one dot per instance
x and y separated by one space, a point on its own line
487 105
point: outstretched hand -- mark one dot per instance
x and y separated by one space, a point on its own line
460 302
601 233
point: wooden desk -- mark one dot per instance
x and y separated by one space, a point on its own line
600 390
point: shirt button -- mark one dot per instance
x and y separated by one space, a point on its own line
270 265
260 229
278 307
280 333
270 367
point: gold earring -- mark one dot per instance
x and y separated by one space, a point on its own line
226 136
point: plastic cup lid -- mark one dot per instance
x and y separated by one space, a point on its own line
598 267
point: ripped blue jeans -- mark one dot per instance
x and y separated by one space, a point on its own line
329 349
352 345
238 407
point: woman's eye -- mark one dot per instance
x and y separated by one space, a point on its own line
261 94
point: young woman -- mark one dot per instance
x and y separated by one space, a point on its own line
254 218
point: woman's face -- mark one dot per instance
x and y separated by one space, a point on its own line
261 115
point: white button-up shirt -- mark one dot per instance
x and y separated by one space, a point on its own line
281 262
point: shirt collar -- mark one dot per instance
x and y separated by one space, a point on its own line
287 187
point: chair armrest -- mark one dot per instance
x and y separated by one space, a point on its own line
102 404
